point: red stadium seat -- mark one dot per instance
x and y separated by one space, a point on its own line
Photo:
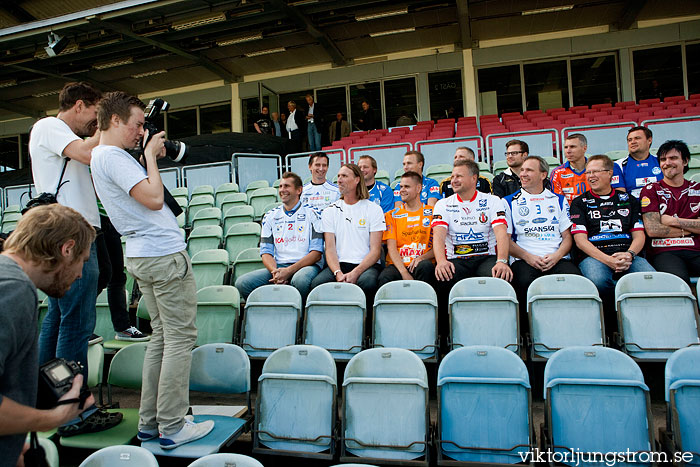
672 99
606 105
624 104
578 108
655 100
557 109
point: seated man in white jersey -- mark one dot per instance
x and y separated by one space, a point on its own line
353 228
538 221
319 192
291 243
413 161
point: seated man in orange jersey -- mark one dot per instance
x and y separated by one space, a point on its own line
569 179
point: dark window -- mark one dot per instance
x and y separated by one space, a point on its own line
215 119
658 72
9 153
331 101
594 80
371 93
499 90
692 60
182 123
445 94
400 102
24 138
250 111
546 85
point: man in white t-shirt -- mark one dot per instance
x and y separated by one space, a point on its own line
156 257
319 192
56 146
353 228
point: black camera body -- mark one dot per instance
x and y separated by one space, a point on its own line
175 150
41 200
55 380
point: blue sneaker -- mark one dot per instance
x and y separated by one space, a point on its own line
147 435
190 431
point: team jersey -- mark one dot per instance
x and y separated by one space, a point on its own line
536 221
633 175
430 189
383 195
290 235
352 224
469 224
682 201
482 184
411 230
320 196
566 181
607 221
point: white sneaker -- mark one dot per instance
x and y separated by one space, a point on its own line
190 431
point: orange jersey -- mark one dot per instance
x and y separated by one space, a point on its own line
569 183
411 230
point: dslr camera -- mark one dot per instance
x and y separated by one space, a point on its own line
175 150
56 379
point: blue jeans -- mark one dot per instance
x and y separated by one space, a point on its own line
605 278
70 321
301 280
314 137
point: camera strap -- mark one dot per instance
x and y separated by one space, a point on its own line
60 179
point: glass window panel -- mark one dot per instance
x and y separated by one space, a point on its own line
250 110
25 149
182 123
215 119
692 60
499 90
594 80
371 93
445 94
400 102
331 101
546 85
9 153
658 72
297 96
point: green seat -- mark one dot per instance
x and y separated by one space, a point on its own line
207 216
182 202
616 155
50 448
9 221
439 171
241 237
394 184
43 309
694 149
256 184
103 318
276 184
224 190
246 261
270 207
12 208
202 190
695 177
210 267
487 175
218 311
260 198
382 176
179 191
96 361
198 203
693 167
236 215
483 167
125 372
499 166
181 220
206 237
553 162
234 199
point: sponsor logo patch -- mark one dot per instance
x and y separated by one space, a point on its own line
522 222
645 201
483 218
539 220
523 210
482 203
671 242
623 212
567 175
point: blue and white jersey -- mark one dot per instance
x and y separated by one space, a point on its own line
383 195
291 235
320 196
430 189
633 175
536 222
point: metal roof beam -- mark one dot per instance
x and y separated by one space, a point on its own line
465 29
19 13
20 109
629 14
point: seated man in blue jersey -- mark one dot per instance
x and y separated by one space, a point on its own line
413 161
638 169
291 243
464 153
319 192
379 193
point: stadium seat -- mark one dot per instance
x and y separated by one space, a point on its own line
439 171
226 459
180 192
215 369
269 208
207 216
254 185
96 361
271 319
276 184
233 199
50 449
196 203
296 403
693 167
121 455
564 310
656 314
695 177
405 316
247 260
260 199
206 237
9 221
335 319
499 166
682 390
484 311
124 371
218 309
484 412
236 215
209 267
202 190
385 414
224 190
241 236
483 167
382 176
103 323
615 155
12 208
596 402
182 217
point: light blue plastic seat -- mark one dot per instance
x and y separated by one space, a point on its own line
296 403
233 199
335 319
121 455
216 369
682 385
236 215
484 412
657 314
271 319
206 237
260 199
596 402
405 316
484 311
207 216
218 309
247 261
226 459
564 310
385 407
224 190
241 237
209 267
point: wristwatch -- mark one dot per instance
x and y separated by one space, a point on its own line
504 261
632 253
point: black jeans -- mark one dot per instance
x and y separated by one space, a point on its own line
683 263
111 263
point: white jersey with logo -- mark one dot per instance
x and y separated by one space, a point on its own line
320 196
536 222
352 224
291 235
469 224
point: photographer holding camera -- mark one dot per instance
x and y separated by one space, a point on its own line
156 257
46 251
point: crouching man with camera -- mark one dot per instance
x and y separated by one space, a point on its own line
46 251
133 195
